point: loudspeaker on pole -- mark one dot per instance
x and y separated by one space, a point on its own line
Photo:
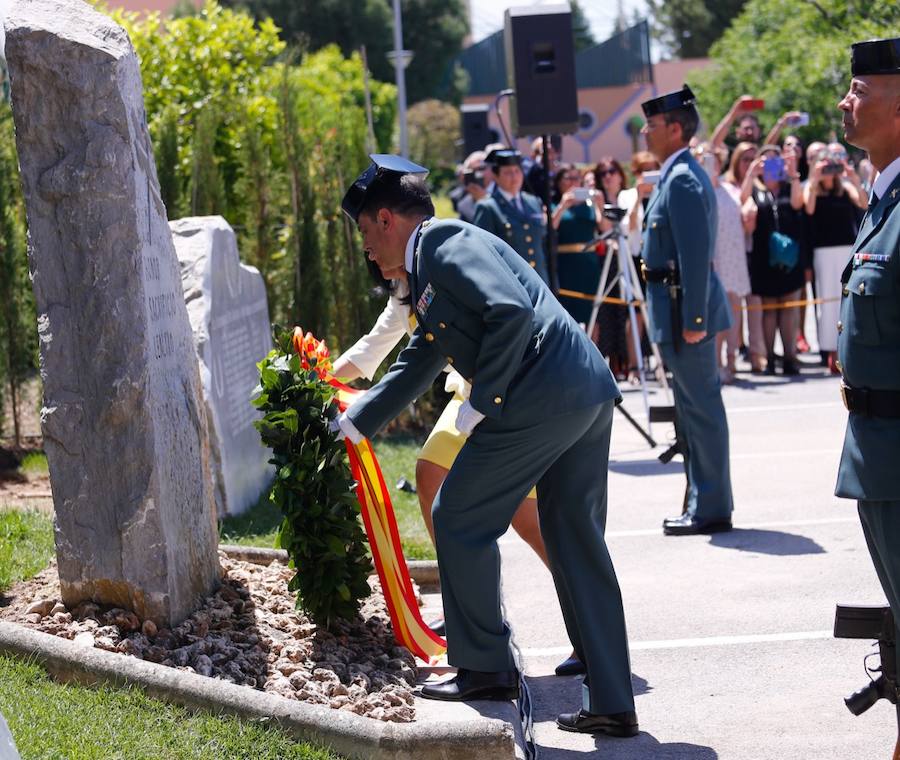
540 67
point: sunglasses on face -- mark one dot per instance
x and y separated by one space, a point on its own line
607 173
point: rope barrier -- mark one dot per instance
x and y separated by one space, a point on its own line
745 307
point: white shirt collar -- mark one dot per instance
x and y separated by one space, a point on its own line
668 163
411 248
884 179
511 198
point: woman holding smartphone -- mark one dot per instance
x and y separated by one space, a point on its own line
778 249
577 211
831 199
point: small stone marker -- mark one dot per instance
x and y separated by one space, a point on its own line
123 419
229 314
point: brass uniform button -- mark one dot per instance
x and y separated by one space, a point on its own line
429 337
470 380
526 227
498 400
508 226
531 251
840 326
442 325
449 360
845 291
654 225
532 264
699 320
862 287
528 238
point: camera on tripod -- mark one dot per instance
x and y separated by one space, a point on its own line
870 622
613 213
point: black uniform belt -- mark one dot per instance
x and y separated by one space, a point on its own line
657 275
871 403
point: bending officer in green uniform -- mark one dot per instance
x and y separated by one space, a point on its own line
687 307
869 326
540 407
515 217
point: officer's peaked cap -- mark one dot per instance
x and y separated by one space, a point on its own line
875 57
383 166
671 101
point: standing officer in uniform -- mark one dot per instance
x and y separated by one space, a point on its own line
869 330
541 407
515 217
687 307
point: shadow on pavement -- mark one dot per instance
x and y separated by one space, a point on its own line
641 467
642 746
773 542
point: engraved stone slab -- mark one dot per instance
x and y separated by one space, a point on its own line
229 314
123 421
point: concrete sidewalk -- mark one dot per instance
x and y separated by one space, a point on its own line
731 647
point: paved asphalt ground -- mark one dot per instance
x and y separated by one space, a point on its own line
731 648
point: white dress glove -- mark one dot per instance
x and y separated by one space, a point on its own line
467 418
345 429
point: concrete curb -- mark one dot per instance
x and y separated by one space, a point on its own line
350 735
422 571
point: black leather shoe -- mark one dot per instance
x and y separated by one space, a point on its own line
439 627
473 684
685 525
619 724
571 666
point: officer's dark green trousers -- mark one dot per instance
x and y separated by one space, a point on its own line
568 456
702 422
881 527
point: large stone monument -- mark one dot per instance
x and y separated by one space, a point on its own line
229 314
123 421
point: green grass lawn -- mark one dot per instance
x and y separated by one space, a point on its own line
26 544
50 720
397 457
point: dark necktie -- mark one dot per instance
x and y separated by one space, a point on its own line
873 202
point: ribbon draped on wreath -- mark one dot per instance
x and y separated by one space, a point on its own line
381 525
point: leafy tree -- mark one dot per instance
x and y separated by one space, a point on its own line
581 28
433 138
18 324
796 56
432 29
687 28
269 141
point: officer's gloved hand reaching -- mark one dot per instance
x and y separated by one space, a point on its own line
344 428
467 418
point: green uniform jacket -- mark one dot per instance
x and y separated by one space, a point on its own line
869 351
482 309
525 233
680 225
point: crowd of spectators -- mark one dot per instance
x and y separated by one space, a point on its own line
787 217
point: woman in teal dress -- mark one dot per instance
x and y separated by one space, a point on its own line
576 223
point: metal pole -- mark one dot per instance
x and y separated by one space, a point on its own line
371 147
401 78
550 248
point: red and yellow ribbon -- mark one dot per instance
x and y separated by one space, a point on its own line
378 517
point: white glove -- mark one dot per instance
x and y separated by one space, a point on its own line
345 429
467 418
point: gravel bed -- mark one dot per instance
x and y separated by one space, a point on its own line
249 633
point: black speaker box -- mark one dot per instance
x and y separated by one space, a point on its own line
475 131
540 67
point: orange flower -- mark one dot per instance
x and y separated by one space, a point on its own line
312 350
